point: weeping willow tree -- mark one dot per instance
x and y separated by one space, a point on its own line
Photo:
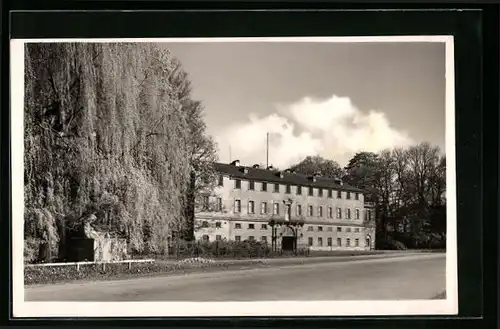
107 133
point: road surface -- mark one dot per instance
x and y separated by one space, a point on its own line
408 277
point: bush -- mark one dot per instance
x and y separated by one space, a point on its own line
220 249
31 250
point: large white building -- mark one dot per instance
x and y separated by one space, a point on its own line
285 209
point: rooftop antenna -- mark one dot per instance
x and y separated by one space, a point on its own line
267 150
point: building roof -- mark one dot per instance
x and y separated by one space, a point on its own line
282 177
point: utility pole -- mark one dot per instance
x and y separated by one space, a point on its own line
230 157
267 150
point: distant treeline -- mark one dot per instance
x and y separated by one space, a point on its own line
110 131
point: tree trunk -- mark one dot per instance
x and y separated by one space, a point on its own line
188 232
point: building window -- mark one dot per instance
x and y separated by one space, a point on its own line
320 192
357 213
356 242
356 230
276 208
237 226
339 229
320 241
311 191
299 210
221 180
329 242
310 228
339 194
251 226
218 225
251 185
251 238
310 211
320 228
204 224
356 196
206 238
299 190
348 213
237 183
330 193
368 215
330 212
348 196
288 189
339 213
320 211
251 207
264 187
339 242
276 188
237 206
263 227
206 201
218 237
263 208
348 229
237 238
347 242
309 241
330 229
219 204
263 238
367 242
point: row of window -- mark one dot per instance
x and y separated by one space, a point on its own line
298 210
251 226
288 189
310 240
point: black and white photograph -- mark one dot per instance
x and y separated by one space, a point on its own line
239 176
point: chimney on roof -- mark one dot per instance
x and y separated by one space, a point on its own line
256 166
236 163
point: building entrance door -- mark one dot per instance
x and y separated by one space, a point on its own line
287 243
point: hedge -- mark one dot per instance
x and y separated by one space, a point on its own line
226 249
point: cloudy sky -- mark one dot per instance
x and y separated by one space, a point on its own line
328 99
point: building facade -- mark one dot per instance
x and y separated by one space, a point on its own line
285 209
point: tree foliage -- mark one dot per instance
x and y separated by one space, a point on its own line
110 130
408 187
315 164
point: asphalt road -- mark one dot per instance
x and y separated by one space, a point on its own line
407 277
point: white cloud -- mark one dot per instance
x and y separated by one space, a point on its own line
333 128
